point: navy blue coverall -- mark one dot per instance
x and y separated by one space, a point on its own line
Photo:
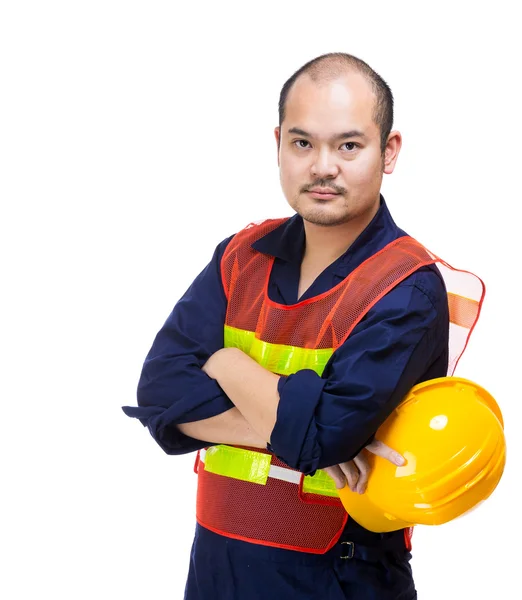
321 420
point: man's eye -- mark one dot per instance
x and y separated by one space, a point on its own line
350 144
301 143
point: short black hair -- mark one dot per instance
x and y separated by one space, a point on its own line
334 64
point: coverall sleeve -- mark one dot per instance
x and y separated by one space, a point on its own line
172 388
403 340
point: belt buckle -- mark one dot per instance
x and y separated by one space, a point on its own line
350 549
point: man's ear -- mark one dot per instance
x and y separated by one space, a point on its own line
277 133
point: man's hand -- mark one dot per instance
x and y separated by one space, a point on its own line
356 471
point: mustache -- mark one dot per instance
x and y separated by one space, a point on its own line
324 184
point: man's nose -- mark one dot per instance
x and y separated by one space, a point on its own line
324 165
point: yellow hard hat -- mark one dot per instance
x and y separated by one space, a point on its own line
451 432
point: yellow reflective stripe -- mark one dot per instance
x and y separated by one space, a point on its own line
321 484
238 463
277 358
255 467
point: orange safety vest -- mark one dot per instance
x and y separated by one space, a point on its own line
276 510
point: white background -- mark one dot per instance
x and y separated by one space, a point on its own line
137 135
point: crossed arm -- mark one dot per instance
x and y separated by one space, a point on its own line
252 389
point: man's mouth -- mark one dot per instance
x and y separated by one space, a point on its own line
323 193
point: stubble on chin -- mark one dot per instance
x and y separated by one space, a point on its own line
320 215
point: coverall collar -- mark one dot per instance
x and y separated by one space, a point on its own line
286 242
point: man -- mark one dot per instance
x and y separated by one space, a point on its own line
201 388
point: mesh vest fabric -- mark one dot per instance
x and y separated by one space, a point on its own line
285 339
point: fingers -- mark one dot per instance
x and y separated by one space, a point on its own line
337 475
345 473
351 473
356 472
363 465
380 449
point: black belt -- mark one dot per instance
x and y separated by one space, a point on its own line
371 546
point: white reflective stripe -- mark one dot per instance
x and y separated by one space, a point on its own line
284 474
274 472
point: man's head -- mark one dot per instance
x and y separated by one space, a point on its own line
335 119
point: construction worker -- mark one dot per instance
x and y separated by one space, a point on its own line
292 347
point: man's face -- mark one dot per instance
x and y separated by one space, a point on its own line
315 152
